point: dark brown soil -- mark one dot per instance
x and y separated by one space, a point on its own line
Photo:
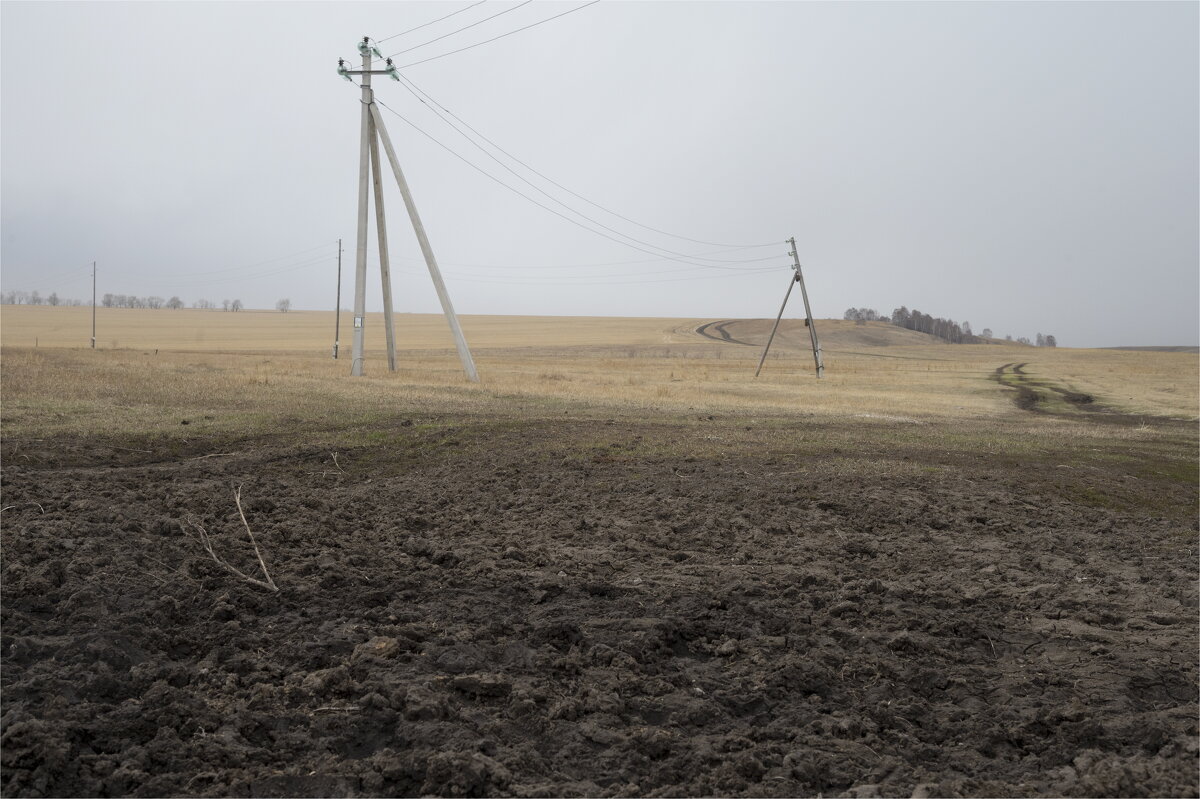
540 609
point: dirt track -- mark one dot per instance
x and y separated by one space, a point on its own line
723 334
563 609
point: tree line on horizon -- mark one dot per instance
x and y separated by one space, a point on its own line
129 301
945 329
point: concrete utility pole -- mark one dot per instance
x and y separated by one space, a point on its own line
812 328
93 305
337 306
798 277
373 132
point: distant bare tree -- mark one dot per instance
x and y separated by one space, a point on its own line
966 329
174 303
1041 340
987 332
53 298
35 298
154 302
1025 341
224 305
1051 341
284 305
203 304
236 305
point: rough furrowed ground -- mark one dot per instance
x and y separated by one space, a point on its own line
583 608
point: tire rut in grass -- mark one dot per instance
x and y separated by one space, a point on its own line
1044 397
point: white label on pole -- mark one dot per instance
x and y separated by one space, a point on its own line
358 321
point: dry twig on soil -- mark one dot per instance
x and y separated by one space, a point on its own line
19 504
206 542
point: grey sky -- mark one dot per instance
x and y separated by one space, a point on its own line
1029 167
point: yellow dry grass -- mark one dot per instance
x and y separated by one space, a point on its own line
154 368
190 330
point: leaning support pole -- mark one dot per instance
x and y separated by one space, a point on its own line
360 263
464 354
792 282
384 267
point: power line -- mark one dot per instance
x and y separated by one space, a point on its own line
501 36
242 276
253 264
598 265
492 270
427 24
460 30
493 178
541 282
569 191
72 272
554 199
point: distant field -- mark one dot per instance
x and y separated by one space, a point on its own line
163 363
302 331
1157 349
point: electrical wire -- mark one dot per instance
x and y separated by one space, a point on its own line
427 24
501 36
559 266
660 257
73 272
545 207
554 199
244 276
491 270
541 282
426 95
460 30
222 270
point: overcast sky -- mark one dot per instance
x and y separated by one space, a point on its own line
1028 167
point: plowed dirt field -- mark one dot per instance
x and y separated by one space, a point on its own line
603 606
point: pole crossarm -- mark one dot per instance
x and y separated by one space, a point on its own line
373 133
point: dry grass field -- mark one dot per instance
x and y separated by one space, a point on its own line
619 565
153 366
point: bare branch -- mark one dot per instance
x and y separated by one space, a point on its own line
237 497
206 542
20 504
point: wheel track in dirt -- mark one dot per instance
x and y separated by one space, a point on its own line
724 337
1031 395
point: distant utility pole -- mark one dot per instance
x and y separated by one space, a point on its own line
93 304
337 306
808 318
373 132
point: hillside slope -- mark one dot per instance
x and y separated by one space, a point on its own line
833 334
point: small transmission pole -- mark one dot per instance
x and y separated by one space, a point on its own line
337 306
93 305
373 133
798 277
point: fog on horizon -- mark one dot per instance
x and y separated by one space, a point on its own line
1027 167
